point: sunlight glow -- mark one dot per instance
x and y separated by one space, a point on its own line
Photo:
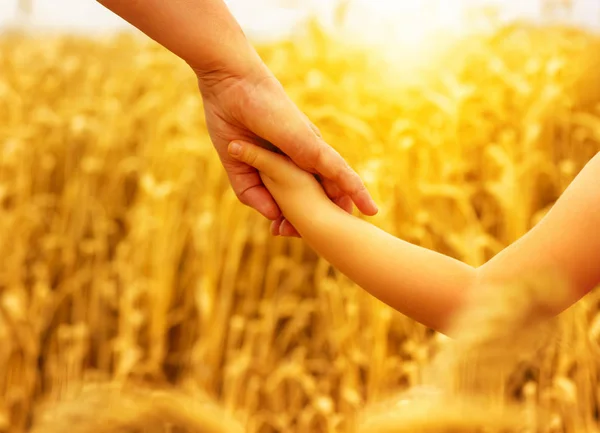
406 32
411 30
405 22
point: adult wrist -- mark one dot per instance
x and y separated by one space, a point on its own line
234 65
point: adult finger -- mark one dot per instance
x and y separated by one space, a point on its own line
345 203
331 166
249 189
337 195
282 227
287 229
268 163
275 226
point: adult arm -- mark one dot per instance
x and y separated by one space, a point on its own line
203 33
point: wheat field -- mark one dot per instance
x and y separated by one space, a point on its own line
137 292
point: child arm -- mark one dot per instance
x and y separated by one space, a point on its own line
419 283
567 240
422 284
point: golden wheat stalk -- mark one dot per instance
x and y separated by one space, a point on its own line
502 325
111 408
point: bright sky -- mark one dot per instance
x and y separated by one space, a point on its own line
267 17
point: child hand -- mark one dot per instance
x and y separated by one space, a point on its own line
295 190
278 172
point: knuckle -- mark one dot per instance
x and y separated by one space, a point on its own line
347 179
301 155
243 198
307 153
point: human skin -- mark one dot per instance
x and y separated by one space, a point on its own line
427 286
244 101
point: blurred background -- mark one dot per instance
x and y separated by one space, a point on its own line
125 258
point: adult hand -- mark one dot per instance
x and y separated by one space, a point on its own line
255 108
243 101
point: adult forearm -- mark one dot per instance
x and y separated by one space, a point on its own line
202 32
422 284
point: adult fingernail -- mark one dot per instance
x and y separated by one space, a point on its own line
375 207
274 228
278 226
235 149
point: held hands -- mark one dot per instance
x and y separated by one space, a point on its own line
243 101
288 184
253 108
278 172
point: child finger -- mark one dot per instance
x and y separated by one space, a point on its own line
255 156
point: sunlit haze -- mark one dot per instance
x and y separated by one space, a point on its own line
404 21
